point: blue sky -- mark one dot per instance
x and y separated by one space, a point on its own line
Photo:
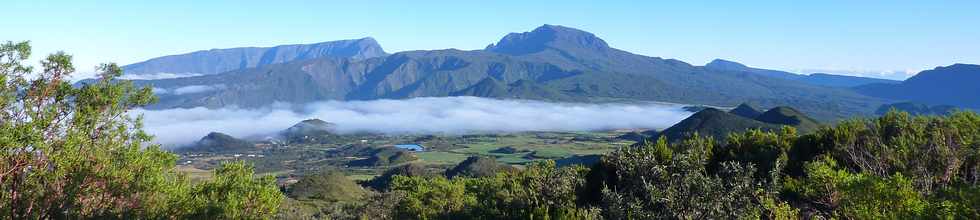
857 37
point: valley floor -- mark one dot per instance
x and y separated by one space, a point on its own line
290 161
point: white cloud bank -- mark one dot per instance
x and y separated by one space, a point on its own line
452 115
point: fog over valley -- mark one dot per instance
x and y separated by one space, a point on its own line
445 115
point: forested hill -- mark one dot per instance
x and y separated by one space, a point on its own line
548 63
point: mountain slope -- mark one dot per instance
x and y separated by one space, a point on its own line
951 85
832 80
817 79
222 60
713 123
520 89
311 131
549 63
310 127
219 142
720 64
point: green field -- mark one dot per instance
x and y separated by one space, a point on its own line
441 151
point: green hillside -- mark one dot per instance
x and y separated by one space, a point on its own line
713 123
789 116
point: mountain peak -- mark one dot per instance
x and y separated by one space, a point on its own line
548 36
217 141
746 110
713 123
956 67
310 127
789 116
721 64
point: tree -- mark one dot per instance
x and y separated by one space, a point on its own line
329 185
74 152
235 194
653 181
859 195
767 150
432 198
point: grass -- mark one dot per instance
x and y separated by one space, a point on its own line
441 157
303 159
551 153
361 177
540 146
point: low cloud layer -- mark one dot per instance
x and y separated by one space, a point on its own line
450 115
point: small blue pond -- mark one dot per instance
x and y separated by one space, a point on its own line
411 147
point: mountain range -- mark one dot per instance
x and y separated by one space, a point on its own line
551 62
215 61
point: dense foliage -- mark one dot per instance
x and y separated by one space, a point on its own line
70 152
894 167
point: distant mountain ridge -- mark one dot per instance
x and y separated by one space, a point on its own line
215 61
819 79
957 85
548 63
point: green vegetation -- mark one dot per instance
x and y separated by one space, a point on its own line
328 185
73 153
746 110
386 156
916 108
894 167
719 124
476 166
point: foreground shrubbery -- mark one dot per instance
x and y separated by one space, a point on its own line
894 167
72 152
